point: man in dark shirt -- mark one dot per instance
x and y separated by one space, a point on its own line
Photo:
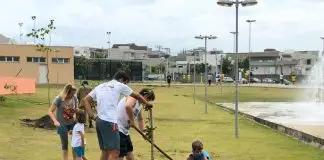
169 80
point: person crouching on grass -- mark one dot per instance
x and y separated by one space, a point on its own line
197 152
78 138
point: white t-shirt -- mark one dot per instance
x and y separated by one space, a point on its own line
209 77
281 76
122 116
76 137
107 96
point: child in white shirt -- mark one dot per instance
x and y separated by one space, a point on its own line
78 141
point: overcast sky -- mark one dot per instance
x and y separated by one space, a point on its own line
290 24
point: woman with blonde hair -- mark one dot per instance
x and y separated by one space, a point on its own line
64 107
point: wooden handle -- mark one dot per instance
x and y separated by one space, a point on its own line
158 148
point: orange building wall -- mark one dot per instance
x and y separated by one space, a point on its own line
23 85
65 72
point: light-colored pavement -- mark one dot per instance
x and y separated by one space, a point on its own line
262 85
303 116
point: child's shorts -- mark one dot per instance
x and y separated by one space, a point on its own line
79 151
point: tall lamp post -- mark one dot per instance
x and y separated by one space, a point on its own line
250 21
323 44
234 37
205 38
230 3
194 78
321 56
108 33
20 34
34 19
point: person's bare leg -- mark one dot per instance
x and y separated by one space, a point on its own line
105 154
113 154
73 155
84 158
65 154
130 156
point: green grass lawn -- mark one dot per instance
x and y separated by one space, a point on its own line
178 121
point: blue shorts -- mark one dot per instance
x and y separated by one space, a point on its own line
78 151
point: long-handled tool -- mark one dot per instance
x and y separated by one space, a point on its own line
158 148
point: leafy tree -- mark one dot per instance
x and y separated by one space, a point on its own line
244 64
81 65
227 66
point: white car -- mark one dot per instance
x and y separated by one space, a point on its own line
228 79
268 80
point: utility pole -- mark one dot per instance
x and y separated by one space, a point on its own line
108 33
205 38
34 19
20 33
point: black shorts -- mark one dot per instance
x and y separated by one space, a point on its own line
126 145
169 80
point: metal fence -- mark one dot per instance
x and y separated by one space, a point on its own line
104 69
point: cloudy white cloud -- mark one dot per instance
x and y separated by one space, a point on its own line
290 24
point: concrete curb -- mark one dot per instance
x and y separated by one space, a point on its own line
296 134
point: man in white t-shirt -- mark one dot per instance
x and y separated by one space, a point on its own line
281 78
107 96
128 111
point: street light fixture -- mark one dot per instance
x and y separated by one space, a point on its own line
210 37
20 34
323 44
34 19
230 3
108 33
234 34
250 21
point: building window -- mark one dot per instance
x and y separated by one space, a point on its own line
36 59
60 60
309 62
9 59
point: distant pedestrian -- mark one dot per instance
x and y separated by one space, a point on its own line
293 78
281 78
169 80
209 77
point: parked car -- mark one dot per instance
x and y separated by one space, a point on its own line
285 82
255 80
268 80
228 80
244 81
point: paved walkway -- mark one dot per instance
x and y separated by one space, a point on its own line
262 85
303 116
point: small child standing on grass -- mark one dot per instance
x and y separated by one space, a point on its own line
197 152
78 140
